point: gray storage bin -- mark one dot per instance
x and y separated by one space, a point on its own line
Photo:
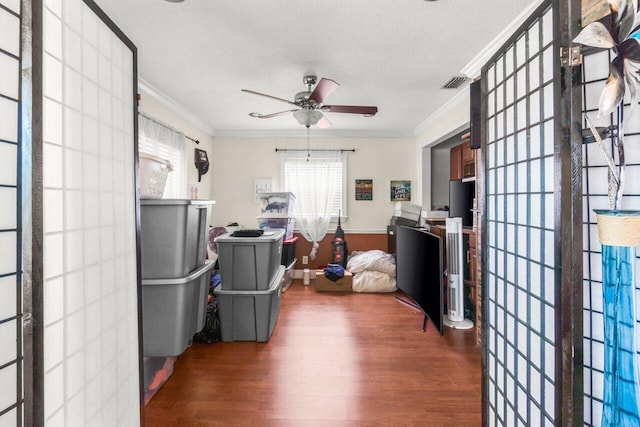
173 236
173 310
249 263
250 315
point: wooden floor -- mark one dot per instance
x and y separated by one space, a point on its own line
333 360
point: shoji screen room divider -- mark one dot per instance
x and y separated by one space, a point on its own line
520 279
11 366
595 71
69 159
90 280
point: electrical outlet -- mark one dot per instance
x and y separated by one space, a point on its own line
305 260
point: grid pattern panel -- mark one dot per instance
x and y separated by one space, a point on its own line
90 276
11 398
595 72
520 278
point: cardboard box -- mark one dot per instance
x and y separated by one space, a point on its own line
322 284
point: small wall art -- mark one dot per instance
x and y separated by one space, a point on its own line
364 189
400 191
264 185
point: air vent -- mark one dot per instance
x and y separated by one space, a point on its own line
455 82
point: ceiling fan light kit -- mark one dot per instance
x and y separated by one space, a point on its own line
307 117
311 104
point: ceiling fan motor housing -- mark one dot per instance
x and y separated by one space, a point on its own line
302 98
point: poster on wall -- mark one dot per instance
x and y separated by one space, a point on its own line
264 185
364 189
400 191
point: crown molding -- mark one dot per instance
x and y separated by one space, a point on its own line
155 93
448 117
473 68
314 134
452 114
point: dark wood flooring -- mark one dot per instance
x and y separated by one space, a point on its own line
333 360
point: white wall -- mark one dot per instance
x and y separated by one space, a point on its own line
157 110
237 162
425 154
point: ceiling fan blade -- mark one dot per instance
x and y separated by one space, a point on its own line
268 116
351 109
324 123
268 96
324 88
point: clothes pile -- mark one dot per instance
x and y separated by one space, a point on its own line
373 271
334 272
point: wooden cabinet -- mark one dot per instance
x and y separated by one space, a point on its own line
468 160
463 160
472 260
456 162
468 155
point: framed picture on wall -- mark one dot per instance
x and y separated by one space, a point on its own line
264 185
400 191
364 189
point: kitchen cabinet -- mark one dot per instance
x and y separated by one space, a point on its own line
463 159
456 162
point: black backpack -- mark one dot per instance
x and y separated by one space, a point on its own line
211 331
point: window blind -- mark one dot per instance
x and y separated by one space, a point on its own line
314 175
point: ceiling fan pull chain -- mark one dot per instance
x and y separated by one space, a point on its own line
308 146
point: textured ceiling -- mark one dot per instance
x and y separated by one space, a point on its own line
395 54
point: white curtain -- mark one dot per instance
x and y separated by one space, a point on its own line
168 143
316 180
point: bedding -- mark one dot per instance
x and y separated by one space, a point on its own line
373 271
374 260
373 281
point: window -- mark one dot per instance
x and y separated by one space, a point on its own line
316 179
165 142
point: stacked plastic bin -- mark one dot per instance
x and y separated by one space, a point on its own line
251 284
288 260
175 273
276 212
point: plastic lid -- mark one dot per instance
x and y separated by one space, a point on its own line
175 202
268 236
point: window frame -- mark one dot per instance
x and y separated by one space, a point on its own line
301 155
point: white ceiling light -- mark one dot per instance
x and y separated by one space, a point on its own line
174 1
307 117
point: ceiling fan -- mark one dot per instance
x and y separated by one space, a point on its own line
310 104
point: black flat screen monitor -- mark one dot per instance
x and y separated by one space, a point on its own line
419 269
461 195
